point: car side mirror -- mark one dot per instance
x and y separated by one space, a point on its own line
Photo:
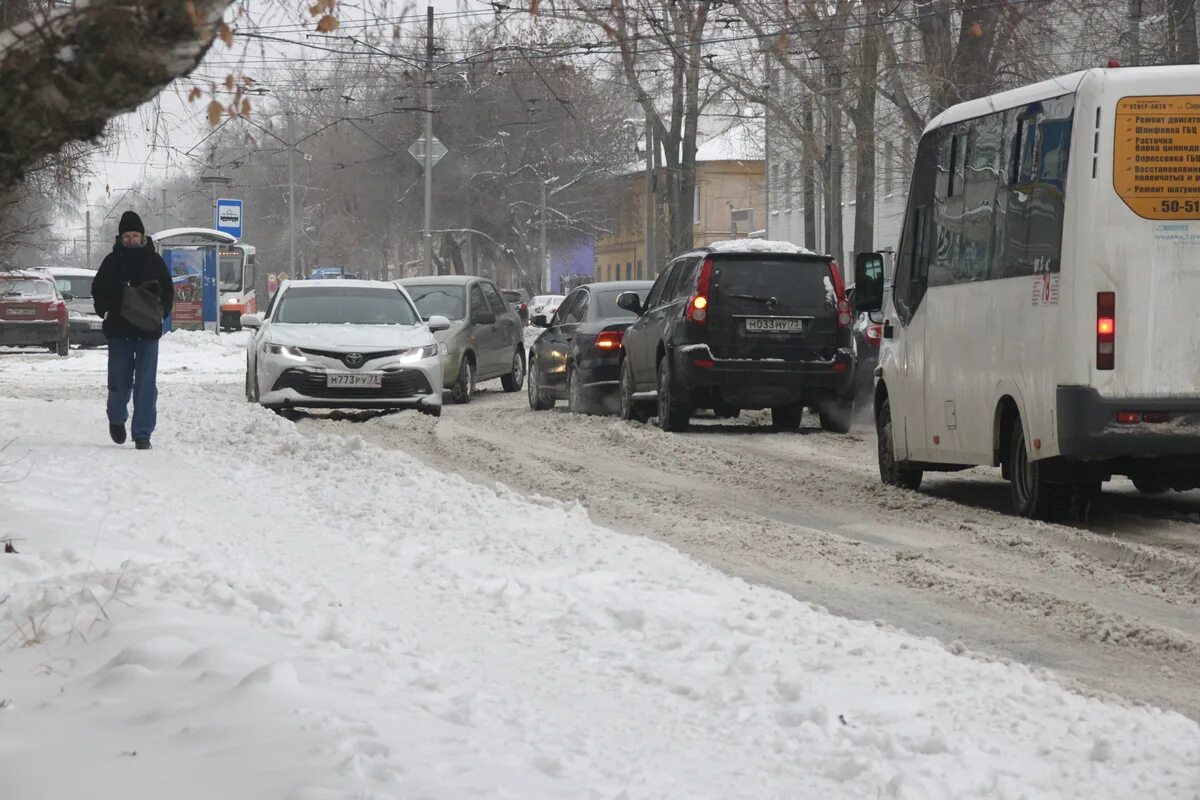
868 282
540 321
252 321
630 302
437 323
486 317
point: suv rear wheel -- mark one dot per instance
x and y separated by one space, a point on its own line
836 416
891 471
631 410
673 411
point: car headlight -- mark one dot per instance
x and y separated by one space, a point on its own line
284 350
419 354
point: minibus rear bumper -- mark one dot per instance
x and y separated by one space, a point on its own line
1093 427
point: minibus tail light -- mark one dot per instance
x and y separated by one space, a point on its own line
1106 330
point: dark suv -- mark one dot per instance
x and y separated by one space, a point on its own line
741 325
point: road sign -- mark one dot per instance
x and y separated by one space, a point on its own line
229 217
417 150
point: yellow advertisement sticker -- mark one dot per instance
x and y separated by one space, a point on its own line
1156 156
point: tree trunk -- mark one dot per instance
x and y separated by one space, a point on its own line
808 181
864 146
1182 15
64 75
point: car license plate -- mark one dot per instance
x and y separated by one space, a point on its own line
774 325
346 380
21 312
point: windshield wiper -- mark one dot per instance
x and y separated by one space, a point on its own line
771 301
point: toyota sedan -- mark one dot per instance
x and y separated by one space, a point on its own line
344 344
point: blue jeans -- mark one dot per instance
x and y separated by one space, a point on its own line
133 370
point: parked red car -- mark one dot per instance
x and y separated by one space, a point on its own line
33 313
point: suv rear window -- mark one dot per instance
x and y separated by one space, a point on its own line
788 283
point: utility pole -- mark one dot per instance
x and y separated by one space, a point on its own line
164 208
291 199
428 140
544 278
651 205
88 224
1135 33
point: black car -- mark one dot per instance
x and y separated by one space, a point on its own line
576 357
741 325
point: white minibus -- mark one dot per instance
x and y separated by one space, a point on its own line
1045 310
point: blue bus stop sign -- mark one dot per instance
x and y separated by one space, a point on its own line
229 217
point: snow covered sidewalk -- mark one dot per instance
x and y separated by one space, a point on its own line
252 612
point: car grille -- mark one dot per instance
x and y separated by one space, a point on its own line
396 383
366 357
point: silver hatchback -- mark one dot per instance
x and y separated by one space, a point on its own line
485 338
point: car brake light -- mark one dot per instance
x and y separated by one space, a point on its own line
697 311
874 334
1156 416
1129 417
844 317
609 340
1106 330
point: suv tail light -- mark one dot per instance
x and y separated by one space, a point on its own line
609 340
874 334
844 318
1106 330
697 310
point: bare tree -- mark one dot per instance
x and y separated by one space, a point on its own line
652 38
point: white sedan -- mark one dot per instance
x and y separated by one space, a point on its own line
344 344
545 305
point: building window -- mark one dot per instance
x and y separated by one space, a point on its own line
628 270
696 203
639 270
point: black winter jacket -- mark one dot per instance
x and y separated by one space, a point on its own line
126 266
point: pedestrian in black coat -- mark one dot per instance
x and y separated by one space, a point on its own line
132 350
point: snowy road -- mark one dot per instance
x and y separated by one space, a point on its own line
1116 606
259 609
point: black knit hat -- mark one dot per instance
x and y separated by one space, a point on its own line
130 221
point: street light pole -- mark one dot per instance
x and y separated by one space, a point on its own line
291 199
544 277
88 223
428 140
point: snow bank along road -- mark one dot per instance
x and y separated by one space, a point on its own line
1115 605
257 609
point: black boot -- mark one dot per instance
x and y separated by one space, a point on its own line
143 444
117 432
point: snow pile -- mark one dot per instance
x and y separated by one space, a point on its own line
199 353
252 610
758 246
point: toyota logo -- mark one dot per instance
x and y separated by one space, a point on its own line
354 359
